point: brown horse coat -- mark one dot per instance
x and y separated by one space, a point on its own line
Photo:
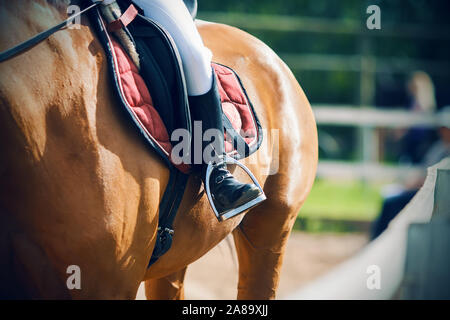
77 186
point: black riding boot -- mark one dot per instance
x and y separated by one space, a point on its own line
227 192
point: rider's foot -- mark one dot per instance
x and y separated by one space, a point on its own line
228 193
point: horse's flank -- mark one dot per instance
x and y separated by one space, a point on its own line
78 186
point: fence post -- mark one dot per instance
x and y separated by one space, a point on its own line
428 251
441 209
368 141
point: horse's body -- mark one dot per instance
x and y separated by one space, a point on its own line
78 187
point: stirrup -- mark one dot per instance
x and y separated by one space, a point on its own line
222 216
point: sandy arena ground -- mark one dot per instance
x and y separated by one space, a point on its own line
308 256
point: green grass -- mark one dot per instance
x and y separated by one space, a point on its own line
342 200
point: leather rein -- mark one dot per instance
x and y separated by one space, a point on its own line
10 53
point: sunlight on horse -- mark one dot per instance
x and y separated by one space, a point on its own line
78 186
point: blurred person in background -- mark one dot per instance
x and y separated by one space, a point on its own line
415 142
394 203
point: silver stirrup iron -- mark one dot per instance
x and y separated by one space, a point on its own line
221 216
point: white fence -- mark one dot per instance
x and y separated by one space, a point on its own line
371 117
369 120
387 253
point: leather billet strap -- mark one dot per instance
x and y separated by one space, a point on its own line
126 18
168 208
10 53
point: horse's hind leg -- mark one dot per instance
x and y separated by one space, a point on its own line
167 288
260 243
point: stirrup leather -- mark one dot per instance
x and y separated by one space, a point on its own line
221 216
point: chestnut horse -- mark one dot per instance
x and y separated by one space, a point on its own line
78 186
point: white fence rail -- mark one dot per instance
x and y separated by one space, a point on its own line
341 170
372 117
369 119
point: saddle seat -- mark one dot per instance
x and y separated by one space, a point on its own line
235 105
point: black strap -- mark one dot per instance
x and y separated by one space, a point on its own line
167 211
5 55
237 138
